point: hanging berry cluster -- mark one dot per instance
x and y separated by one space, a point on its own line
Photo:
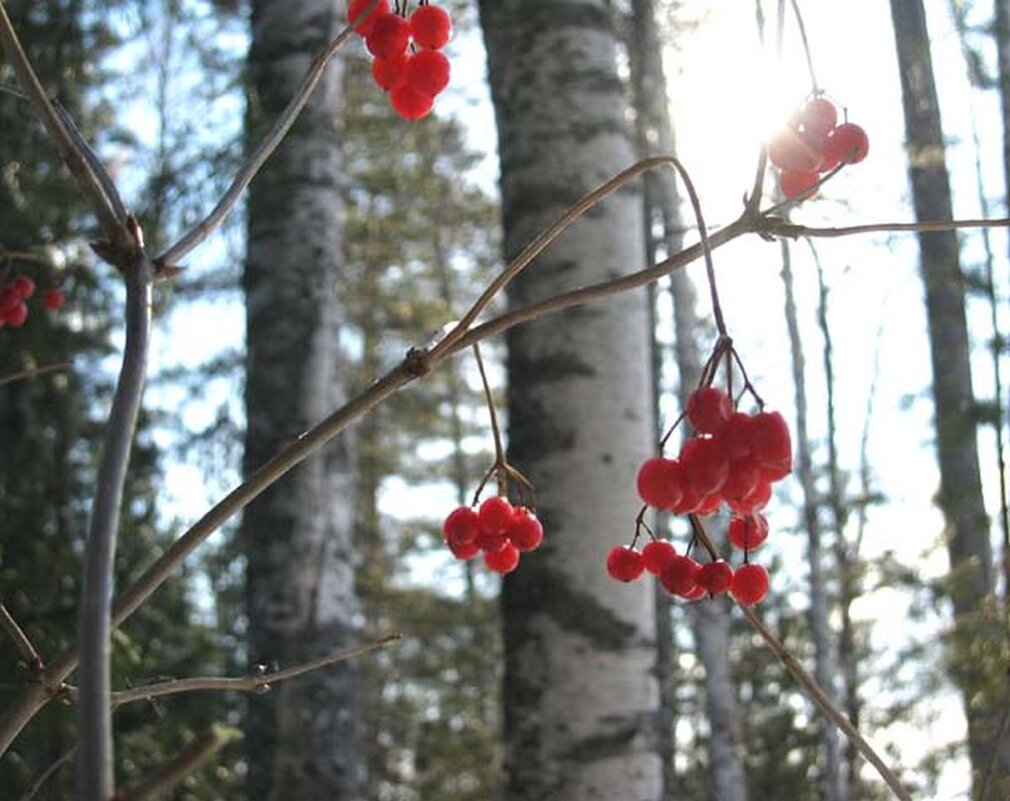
408 62
733 458
812 144
14 297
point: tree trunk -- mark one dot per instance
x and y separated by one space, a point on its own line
970 550
304 736
581 697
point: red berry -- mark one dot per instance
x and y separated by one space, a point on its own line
389 36
750 584
755 500
409 103
624 563
776 471
680 576
16 317
708 409
846 144
428 72
657 555
464 551
525 532
798 184
24 286
709 505
495 514
363 25
491 542
431 27
461 526
792 150
742 479
53 298
660 482
9 298
389 73
689 501
504 561
705 466
694 594
769 437
819 116
715 577
748 533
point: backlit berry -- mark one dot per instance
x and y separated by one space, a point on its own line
819 115
705 466
53 298
389 36
461 526
743 477
431 27
464 551
409 103
680 576
525 532
750 584
657 554
495 514
708 409
624 563
389 73
428 72
504 561
798 184
748 533
792 150
846 144
715 577
694 594
362 24
660 482
769 437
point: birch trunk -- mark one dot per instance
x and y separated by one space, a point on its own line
303 737
581 697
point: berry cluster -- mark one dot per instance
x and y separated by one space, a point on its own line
408 62
733 458
814 143
497 528
14 296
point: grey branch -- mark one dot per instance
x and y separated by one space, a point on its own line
31 656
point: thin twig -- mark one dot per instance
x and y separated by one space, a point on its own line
185 763
28 652
806 44
257 682
779 227
47 774
499 451
34 372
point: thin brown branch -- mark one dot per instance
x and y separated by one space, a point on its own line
197 754
47 774
24 645
34 372
779 227
257 682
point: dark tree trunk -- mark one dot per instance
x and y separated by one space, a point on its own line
303 737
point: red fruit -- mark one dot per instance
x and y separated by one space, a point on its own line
504 561
657 555
9 298
465 551
750 584
846 144
461 526
769 437
680 576
689 501
748 533
705 466
428 72
53 298
389 73
754 501
735 437
16 317
660 482
715 577
491 542
742 479
792 150
363 25
431 27
708 409
389 36
24 286
409 103
525 532
695 594
819 116
709 505
798 184
624 563
776 471
495 514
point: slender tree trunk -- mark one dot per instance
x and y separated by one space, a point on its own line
581 697
1002 36
304 736
970 550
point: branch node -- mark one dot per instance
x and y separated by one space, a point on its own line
417 362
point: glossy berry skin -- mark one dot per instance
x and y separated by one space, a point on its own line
846 144
694 595
750 584
754 501
748 533
798 184
388 73
465 551
680 576
428 72
659 482
409 103
819 116
389 37
16 317
53 299
624 563
525 532
743 478
770 439
363 25
461 526
715 577
495 514
705 466
24 286
504 561
431 27
709 409
709 505
657 554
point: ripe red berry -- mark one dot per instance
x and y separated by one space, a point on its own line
754 501
798 184
24 286
681 575
428 72
846 144
748 533
525 532
363 25
689 501
409 103
705 466
709 505
715 577
16 317
742 479
750 584
504 561
624 563
657 555
792 150
495 514
9 298
461 526
389 36
389 73
53 298
709 409
660 482
431 27
694 594
769 437
819 116
464 551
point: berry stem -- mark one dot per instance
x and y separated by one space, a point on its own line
698 528
500 466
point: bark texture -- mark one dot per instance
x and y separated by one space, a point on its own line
581 697
967 535
303 737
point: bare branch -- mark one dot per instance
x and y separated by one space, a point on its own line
257 682
779 227
28 652
187 762
47 774
34 372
